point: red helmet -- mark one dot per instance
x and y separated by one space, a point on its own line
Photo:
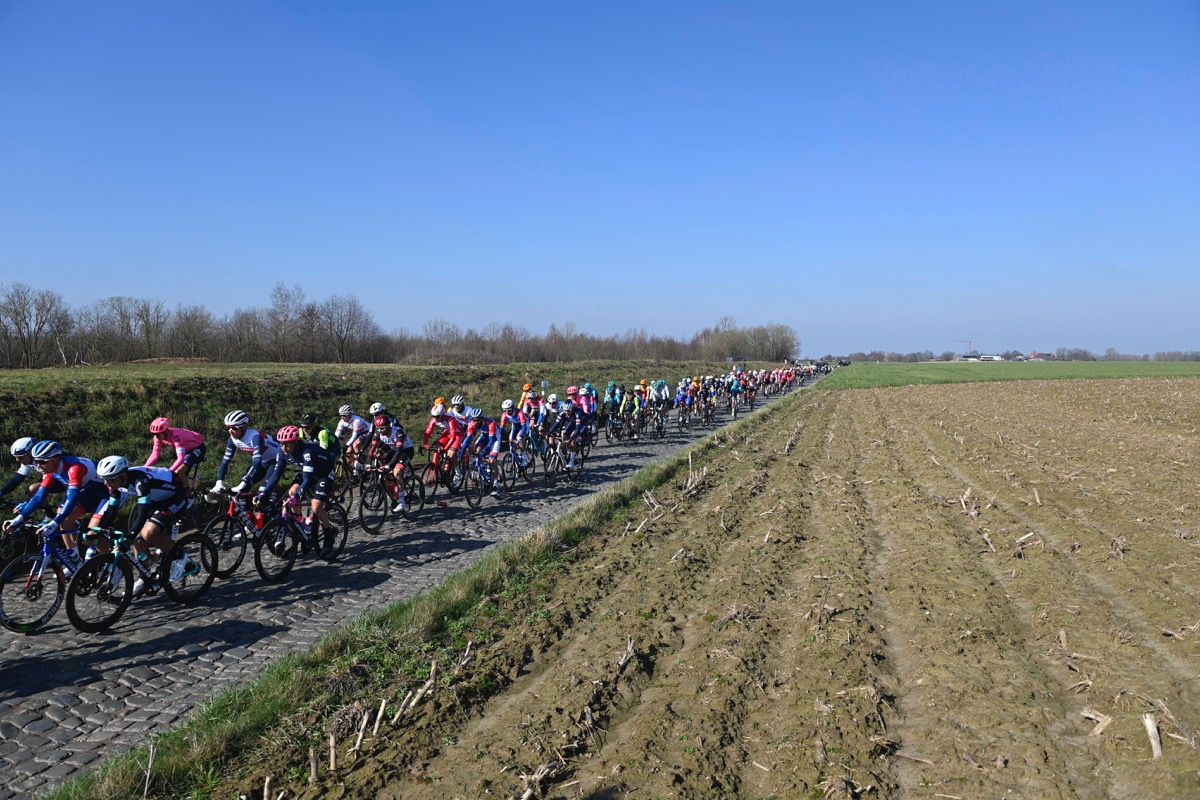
381 420
288 433
160 425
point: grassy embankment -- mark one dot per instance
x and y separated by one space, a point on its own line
95 411
377 650
869 376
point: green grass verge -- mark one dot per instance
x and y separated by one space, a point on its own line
98 411
189 761
870 376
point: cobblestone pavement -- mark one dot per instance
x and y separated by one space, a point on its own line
69 699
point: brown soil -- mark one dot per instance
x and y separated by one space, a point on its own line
920 592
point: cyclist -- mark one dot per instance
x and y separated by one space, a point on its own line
262 449
526 391
516 422
312 431
631 406
569 425
735 393
451 428
160 495
84 493
460 409
189 446
660 398
546 414
315 478
483 437
21 450
391 443
360 433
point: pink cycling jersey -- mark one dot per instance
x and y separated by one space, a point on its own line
184 442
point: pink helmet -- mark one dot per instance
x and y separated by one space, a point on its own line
572 390
288 433
160 425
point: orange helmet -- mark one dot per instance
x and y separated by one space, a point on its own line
527 387
441 401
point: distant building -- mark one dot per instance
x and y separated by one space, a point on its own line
1039 356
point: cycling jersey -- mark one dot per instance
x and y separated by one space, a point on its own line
486 432
185 443
263 449
519 422
452 431
356 425
315 464
23 471
324 437
156 493
83 485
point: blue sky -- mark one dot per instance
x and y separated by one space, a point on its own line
876 175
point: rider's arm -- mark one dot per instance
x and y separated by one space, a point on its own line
274 474
17 479
230 449
154 452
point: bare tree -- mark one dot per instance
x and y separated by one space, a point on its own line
192 332
34 319
348 326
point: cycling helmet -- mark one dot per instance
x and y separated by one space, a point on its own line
572 390
288 433
160 425
345 411
45 450
381 420
612 384
437 410
642 382
552 398
111 467
377 408
639 388
566 407
308 419
21 447
661 383
506 405
587 387
237 419
527 387
476 413
458 400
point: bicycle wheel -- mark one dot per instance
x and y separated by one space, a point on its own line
374 504
230 536
28 599
188 571
337 515
550 475
414 494
500 477
507 466
275 551
576 471
456 477
431 478
100 592
476 486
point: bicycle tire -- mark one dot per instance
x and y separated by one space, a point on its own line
414 494
576 472
275 551
431 477
337 515
96 598
203 509
189 587
231 537
18 596
550 475
373 506
507 465
475 487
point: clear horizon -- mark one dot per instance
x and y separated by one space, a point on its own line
1026 176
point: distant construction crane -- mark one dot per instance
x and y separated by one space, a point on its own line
968 343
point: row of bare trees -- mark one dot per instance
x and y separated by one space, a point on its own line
39 329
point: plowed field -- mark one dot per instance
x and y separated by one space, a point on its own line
984 590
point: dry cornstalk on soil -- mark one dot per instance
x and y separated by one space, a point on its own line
411 699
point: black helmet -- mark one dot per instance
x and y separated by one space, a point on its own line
308 419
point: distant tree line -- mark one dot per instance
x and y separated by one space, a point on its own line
39 329
1061 354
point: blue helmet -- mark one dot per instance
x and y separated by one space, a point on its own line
46 449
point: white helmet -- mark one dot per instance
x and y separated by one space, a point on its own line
458 400
437 410
505 406
476 413
23 447
552 398
565 407
377 408
345 411
111 467
236 419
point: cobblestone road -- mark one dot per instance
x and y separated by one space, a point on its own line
69 699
